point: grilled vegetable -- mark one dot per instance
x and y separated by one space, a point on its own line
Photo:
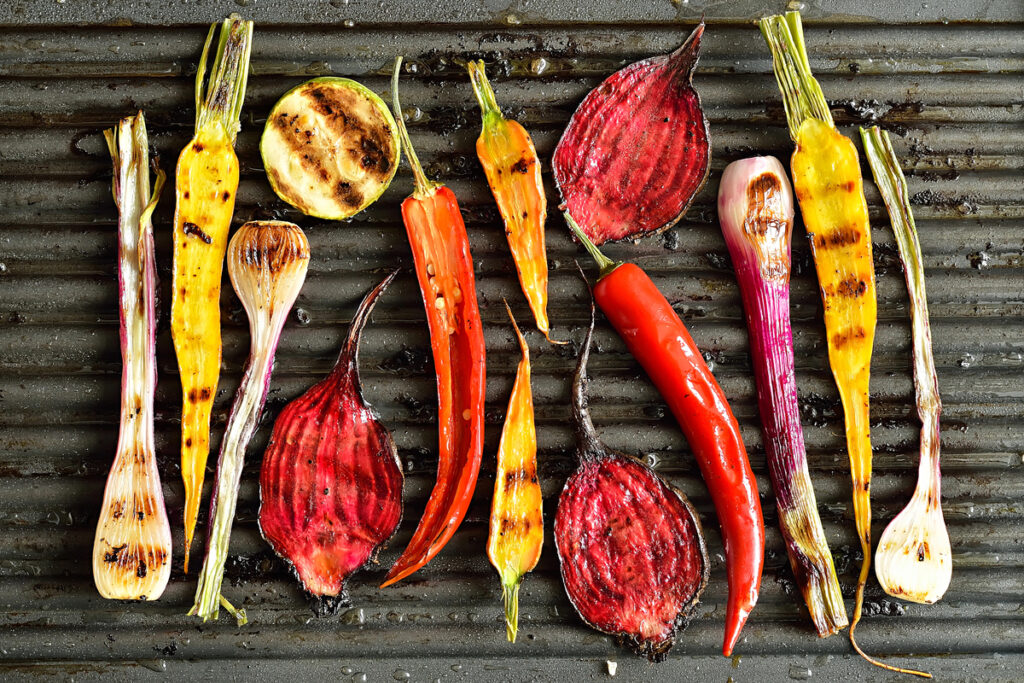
205 185
913 561
330 147
267 262
755 208
331 484
659 340
132 551
444 268
517 521
512 168
637 150
829 187
630 545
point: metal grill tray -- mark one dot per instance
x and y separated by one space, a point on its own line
946 76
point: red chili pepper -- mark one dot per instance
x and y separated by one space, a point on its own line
444 268
659 340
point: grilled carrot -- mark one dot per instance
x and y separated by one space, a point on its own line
512 167
206 182
829 187
517 523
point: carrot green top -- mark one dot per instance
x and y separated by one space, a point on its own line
801 93
225 90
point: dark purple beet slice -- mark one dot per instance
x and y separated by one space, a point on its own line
331 483
637 149
632 551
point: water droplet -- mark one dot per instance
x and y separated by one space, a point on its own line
349 23
799 673
651 460
243 3
302 316
400 675
539 65
612 667
456 667
511 20
346 670
412 114
359 677
157 665
3 269
339 3
966 360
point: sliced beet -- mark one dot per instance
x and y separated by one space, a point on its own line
632 551
637 149
331 483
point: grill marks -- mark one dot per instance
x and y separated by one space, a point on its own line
330 147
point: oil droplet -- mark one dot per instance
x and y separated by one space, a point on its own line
511 20
799 673
348 23
539 65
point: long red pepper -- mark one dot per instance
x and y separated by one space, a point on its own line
659 340
444 268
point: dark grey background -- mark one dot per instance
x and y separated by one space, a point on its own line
945 76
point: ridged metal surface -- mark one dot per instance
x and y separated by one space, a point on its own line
947 77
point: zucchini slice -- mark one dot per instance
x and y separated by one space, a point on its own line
330 147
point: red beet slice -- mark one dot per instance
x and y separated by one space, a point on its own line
331 484
637 150
632 551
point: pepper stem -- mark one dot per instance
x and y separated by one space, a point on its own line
423 185
603 262
483 91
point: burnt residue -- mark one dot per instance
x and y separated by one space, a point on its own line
964 205
260 566
114 554
194 230
818 410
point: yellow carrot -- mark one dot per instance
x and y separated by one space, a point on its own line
829 187
517 524
206 183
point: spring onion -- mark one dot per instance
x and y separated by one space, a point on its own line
267 262
132 550
913 561
755 208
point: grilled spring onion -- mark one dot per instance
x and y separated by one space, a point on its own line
517 522
913 561
829 187
132 551
206 183
267 262
755 208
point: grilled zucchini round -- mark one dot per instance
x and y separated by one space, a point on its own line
330 147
